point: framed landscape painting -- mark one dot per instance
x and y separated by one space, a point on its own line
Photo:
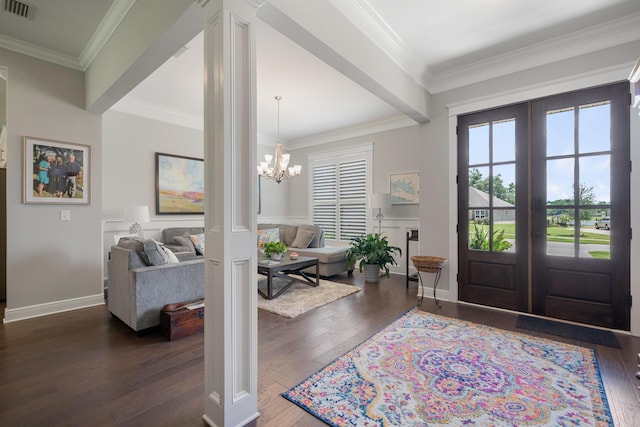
404 188
179 185
56 172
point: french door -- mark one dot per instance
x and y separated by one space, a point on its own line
534 180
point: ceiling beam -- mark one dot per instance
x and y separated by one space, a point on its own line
326 33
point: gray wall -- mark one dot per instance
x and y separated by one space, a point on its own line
49 260
274 197
398 150
3 104
130 144
128 161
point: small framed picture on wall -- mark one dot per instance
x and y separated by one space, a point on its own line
56 172
404 188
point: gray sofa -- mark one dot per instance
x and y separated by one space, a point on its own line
171 239
332 260
138 291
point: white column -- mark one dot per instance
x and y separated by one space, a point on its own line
231 345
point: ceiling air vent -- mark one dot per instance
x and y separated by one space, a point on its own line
22 9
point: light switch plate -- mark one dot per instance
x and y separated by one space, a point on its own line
65 215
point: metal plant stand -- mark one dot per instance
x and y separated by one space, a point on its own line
429 264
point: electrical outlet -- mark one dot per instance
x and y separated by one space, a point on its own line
65 215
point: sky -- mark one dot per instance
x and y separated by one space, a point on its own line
593 137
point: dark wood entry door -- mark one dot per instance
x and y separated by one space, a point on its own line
544 193
493 207
580 217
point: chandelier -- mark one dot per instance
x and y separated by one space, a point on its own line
280 168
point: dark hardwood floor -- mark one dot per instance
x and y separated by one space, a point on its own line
86 368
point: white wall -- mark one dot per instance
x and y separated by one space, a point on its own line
274 197
128 161
51 265
394 151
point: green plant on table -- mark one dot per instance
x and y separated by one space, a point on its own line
274 248
372 249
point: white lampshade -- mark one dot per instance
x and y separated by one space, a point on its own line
379 200
139 215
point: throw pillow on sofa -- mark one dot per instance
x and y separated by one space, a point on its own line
152 253
303 238
198 242
268 235
185 241
171 257
288 233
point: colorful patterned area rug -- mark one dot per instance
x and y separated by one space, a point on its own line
426 369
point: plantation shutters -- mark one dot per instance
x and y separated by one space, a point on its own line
339 188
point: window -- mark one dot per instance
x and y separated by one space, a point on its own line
479 214
340 183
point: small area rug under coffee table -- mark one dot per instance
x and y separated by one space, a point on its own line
301 298
426 369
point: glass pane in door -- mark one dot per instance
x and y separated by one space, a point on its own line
560 181
504 230
479 144
594 130
504 141
560 232
504 185
594 243
478 187
479 220
560 132
595 180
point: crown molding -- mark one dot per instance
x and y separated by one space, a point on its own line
112 19
159 113
34 51
603 36
364 16
110 22
573 82
388 123
367 19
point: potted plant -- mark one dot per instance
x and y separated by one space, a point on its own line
274 250
374 253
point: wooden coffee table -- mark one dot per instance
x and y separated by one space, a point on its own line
287 269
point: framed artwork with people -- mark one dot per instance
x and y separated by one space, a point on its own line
56 172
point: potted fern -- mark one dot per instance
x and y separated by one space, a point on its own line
374 253
274 250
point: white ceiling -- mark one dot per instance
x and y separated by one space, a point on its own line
440 44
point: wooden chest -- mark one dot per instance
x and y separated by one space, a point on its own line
181 320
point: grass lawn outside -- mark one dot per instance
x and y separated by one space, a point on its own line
555 233
600 254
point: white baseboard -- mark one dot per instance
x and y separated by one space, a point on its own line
443 295
37 310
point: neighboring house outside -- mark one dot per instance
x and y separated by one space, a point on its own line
479 204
